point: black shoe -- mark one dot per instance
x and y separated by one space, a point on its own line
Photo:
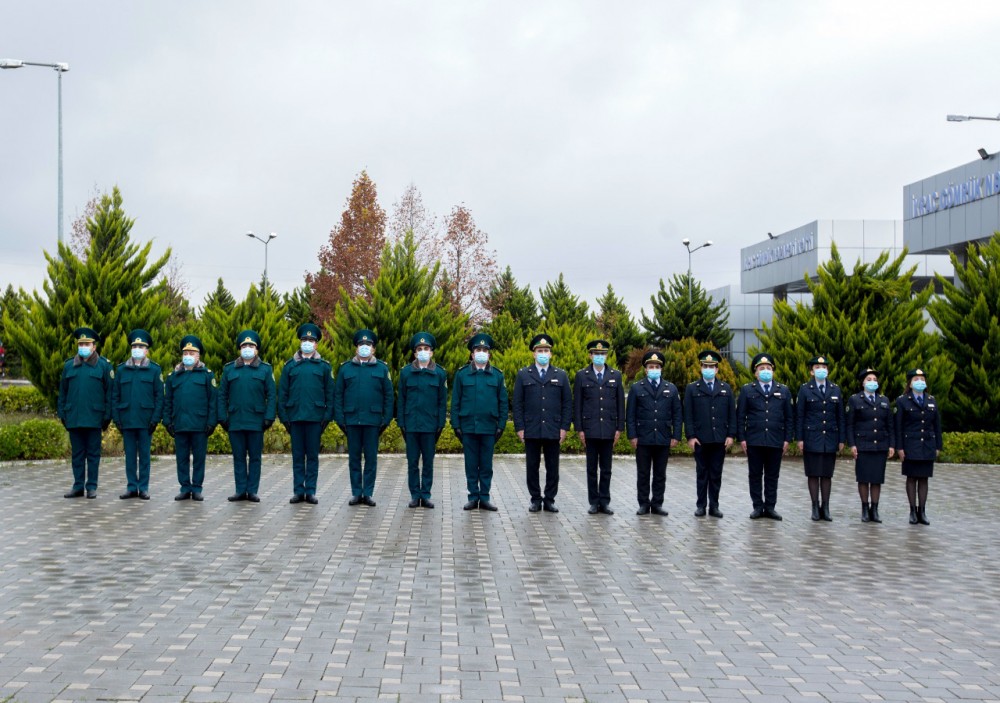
536 506
368 500
75 493
715 512
486 505
700 512
415 503
183 495
297 498
253 497
866 513
873 513
815 512
922 516
824 511
427 503
91 494
311 499
657 510
129 494
643 510
772 513
594 509
757 514
913 515
471 505
235 497
143 495
606 510
355 500
550 508
196 497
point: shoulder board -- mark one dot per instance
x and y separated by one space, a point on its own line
264 363
228 364
120 366
345 363
497 370
382 362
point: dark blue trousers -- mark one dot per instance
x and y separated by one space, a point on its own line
420 445
248 445
708 461
137 444
763 468
305 456
190 447
478 449
86 445
362 439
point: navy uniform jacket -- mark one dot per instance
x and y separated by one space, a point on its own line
305 390
653 417
85 391
542 408
247 395
870 426
599 408
362 394
918 429
819 420
137 396
479 400
423 398
190 400
765 421
709 417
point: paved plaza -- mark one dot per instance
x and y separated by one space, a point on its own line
179 601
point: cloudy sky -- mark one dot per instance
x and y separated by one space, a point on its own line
586 137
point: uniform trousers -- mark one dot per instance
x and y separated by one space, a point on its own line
478 450
305 456
764 464
653 456
137 445
362 440
420 475
533 451
86 445
190 449
708 460
248 445
599 455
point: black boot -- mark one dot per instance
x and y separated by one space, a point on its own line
815 515
913 515
874 513
825 512
922 516
865 513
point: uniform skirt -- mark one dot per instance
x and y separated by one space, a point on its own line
819 463
869 467
918 468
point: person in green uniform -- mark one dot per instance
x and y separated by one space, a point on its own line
478 417
247 400
136 409
362 408
305 408
84 408
420 414
190 409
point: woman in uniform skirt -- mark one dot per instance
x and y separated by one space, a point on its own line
819 425
918 441
871 434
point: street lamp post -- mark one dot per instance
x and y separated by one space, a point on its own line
966 118
60 68
687 245
267 241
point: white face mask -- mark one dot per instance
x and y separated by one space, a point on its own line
364 351
248 353
423 356
481 357
138 353
308 347
188 360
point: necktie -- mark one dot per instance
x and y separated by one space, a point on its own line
541 374
920 400
871 399
822 390
656 384
600 377
767 388
711 387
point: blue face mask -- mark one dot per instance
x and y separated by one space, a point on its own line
248 353
542 358
653 374
138 353
821 374
308 347
187 360
423 356
599 359
84 352
364 351
708 374
920 386
481 357
766 375
871 386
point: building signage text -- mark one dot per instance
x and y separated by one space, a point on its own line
784 250
975 188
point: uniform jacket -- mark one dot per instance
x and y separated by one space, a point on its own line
653 416
478 400
709 417
247 395
362 394
137 395
423 398
190 399
918 429
85 391
599 408
765 421
870 426
305 390
819 419
542 408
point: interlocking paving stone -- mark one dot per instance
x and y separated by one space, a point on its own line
180 601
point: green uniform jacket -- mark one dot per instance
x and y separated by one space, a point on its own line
247 395
423 398
85 392
137 396
479 400
363 394
305 391
191 399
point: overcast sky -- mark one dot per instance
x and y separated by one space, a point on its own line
585 137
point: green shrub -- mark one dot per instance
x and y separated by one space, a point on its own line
971 448
218 442
33 439
23 399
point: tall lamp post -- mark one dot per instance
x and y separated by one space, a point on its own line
687 245
966 118
267 241
60 68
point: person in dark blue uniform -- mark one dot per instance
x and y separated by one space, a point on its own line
599 419
305 408
871 434
819 426
190 411
653 421
247 406
543 413
136 409
421 413
362 408
918 441
710 426
764 427
84 408
479 417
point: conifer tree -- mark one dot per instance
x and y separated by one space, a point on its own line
614 322
506 295
297 307
685 311
12 303
559 305
220 298
262 311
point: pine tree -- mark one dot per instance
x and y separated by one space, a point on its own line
297 307
12 303
506 295
968 316
686 311
220 298
615 322
114 290
559 305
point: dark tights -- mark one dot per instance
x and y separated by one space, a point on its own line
876 491
820 485
916 488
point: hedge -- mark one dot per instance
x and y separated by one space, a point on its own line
23 399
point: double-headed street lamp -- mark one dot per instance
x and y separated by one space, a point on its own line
60 68
966 118
267 241
687 245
